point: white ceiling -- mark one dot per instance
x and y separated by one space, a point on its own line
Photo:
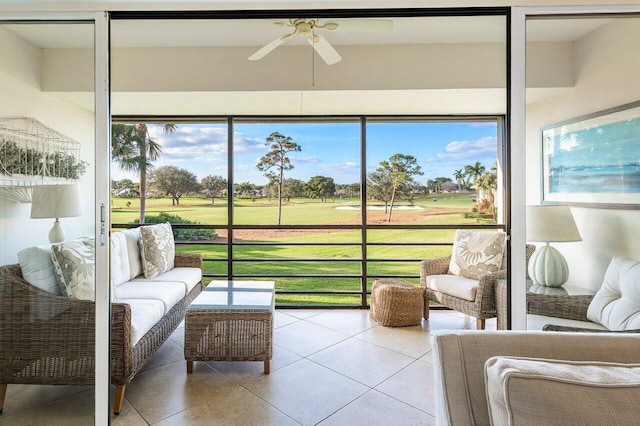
229 33
256 32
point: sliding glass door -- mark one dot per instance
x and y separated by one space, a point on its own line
53 278
575 152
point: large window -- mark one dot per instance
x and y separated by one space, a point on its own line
322 206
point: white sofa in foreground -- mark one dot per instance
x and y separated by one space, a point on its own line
47 333
536 378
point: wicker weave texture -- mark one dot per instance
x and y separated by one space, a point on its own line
49 339
228 335
572 307
396 303
502 310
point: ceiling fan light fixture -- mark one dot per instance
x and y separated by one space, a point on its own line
304 27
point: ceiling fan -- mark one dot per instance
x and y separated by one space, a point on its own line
305 27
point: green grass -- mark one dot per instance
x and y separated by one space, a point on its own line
264 259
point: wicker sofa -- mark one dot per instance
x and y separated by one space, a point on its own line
48 339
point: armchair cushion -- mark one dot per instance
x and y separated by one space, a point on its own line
617 304
157 249
476 253
550 392
453 285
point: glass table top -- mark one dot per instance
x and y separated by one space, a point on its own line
236 295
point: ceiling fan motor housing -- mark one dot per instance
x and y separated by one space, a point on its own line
304 28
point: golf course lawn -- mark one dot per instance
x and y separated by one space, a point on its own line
307 257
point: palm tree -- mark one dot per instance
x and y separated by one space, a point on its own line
487 184
473 172
459 176
134 150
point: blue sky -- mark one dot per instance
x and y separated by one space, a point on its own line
327 148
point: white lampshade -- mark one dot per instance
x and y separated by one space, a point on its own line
548 224
551 224
56 201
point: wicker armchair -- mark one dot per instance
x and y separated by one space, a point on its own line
484 305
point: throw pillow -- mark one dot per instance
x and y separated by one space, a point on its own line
37 268
617 304
476 253
75 266
529 391
157 250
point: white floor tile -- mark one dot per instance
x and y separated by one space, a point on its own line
331 366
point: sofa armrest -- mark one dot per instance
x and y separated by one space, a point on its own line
436 266
559 306
121 359
43 337
460 356
188 260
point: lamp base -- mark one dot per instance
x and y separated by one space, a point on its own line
57 234
548 267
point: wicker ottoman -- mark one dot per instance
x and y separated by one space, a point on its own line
396 303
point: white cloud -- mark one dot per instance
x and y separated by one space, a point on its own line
205 138
458 150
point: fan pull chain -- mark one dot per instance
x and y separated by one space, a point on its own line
313 57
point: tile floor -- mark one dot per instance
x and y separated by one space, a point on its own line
330 367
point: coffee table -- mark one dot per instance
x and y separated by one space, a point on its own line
230 321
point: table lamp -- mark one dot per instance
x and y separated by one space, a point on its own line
55 201
550 224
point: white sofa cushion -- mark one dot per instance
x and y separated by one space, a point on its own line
120 267
75 266
476 253
169 293
145 313
532 391
157 249
132 237
537 322
37 268
457 286
617 304
189 276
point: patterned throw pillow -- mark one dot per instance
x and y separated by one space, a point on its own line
476 253
75 266
157 249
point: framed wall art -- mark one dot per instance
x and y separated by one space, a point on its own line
593 160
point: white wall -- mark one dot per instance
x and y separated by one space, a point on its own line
20 64
606 66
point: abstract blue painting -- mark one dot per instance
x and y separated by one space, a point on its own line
594 159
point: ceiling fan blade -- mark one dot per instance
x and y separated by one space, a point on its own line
325 50
266 49
361 25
